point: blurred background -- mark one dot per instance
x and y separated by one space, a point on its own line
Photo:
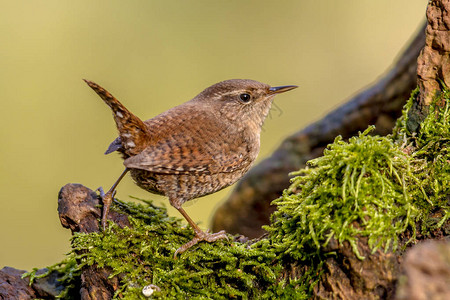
153 55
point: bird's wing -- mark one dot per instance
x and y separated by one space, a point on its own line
199 144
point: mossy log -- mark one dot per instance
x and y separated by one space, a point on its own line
340 231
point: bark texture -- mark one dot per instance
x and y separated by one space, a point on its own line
12 286
347 277
425 272
433 64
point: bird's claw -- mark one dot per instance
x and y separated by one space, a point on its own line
201 236
100 191
107 200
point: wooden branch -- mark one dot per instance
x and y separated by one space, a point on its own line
433 64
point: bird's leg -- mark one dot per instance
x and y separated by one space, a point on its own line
108 197
200 235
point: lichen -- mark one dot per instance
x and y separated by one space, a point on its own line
370 186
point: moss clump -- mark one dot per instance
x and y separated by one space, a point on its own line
430 151
372 187
143 254
359 188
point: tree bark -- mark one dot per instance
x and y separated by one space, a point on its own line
433 64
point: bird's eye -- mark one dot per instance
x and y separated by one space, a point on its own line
245 98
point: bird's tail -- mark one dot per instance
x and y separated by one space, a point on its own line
132 131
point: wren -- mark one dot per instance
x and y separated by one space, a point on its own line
194 149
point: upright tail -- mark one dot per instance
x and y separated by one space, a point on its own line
132 131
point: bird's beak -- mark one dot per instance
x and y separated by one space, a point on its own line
281 89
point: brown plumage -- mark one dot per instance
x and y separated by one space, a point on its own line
193 149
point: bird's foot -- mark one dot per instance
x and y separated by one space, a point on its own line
107 200
102 192
201 236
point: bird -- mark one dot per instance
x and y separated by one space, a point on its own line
193 149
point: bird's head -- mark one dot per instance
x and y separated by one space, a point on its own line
241 100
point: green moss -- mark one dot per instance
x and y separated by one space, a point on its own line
143 254
358 188
432 163
430 152
372 187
